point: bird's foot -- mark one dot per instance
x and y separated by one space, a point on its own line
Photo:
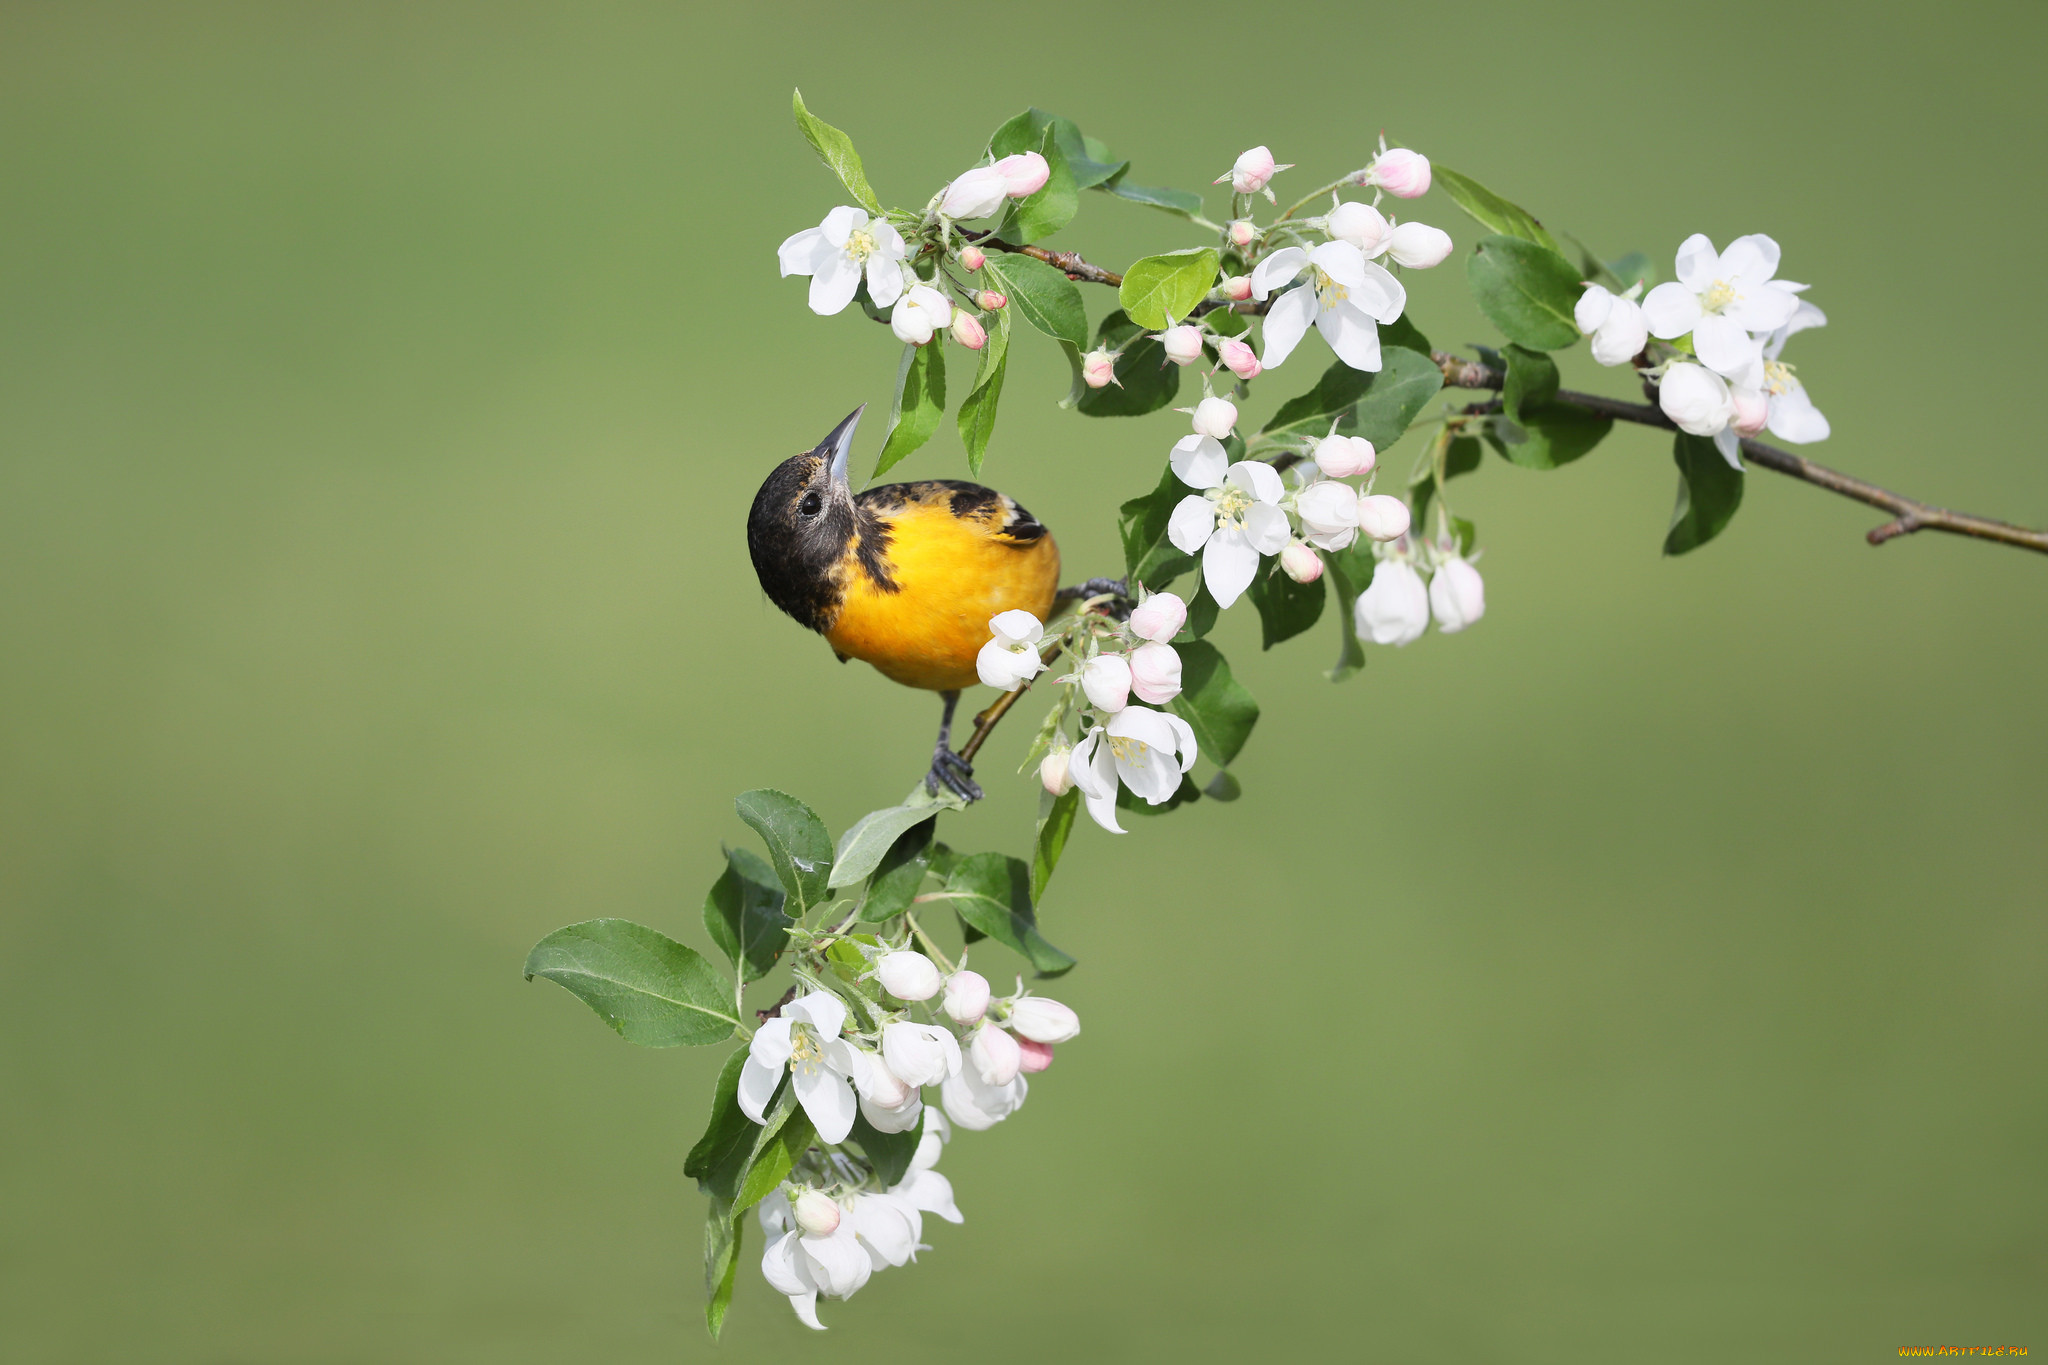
954 772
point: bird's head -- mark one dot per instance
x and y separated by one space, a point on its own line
801 524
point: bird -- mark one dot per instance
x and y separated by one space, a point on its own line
904 576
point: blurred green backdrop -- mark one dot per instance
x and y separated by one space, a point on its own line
1653 972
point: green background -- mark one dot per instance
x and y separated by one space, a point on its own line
1652 972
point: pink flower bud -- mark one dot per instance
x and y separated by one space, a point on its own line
1183 344
1239 358
1159 617
966 997
1052 771
817 1215
1752 410
907 975
1045 1021
1037 1056
1382 517
976 194
1098 368
1300 563
1400 172
1241 231
994 1055
1251 172
1215 418
1024 173
1343 457
968 332
989 300
1155 673
973 258
1237 288
1457 598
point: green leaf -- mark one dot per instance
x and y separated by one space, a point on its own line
1552 436
900 875
1490 209
1042 296
836 148
1350 573
1286 608
651 989
1055 822
797 845
977 419
1159 291
1052 205
888 1153
1531 381
1526 290
942 858
1403 332
1202 613
1145 380
743 913
1709 491
1187 793
1214 704
869 838
723 1242
920 403
1183 202
719 1160
1467 534
784 1145
992 894
1380 404
1149 557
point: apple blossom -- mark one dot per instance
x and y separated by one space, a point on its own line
922 1054
989 301
1793 417
1300 563
1215 418
1400 172
1240 359
1237 288
1183 344
804 1041
803 1267
1252 171
1329 514
977 194
969 332
966 996
1012 656
1106 679
1394 608
972 258
838 252
1240 231
1457 597
817 1214
1721 299
1155 673
1147 751
1053 774
1362 225
1419 246
1382 516
1037 1056
1344 457
992 1055
1234 519
1614 321
907 975
976 1104
1695 398
1024 174
887 1227
1345 299
1042 1020
919 313
1098 368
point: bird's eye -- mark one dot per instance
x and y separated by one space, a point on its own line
810 505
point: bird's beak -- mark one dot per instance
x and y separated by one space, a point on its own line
838 447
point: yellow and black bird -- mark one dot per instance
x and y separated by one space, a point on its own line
904 576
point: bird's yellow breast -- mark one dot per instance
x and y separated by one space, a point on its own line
950 573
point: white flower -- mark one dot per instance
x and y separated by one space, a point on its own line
1793 417
1329 514
1155 673
1183 344
1011 658
1146 750
1252 171
1346 298
887 1226
1044 1021
1695 398
1456 595
1024 174
1159 617
1400 172
1215 418
992 1054
976 194
907 975
1394 608
1362 225
1300 563
1382 516
1106 679
918 314
888 1102
922 1054
1232 521
966 996
805 1267
927 1190
1614 321
1721 299
804 1040
838 251
1343 457
1419 246
975 1104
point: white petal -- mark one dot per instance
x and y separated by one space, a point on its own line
1752 259
833 286
757 1086
901 1119
1724 347
1002 667
1093 767
1106 679
1276 270
1352 334
1341 261
841 223
1257 478
885 280
1380 296
1592 309
1193 521
1184 737
827 1098
848 1060
1265 528
1671 310
1729 442
1017 627
799 253
1286 323
1794 418
1229 564
1764 307
1199 460
1623 335
1698 264
820 1009
1419 246
806 1307
836 1261
930 1192
888 241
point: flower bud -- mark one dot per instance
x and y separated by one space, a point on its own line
1044 1021
1237 288
880 1086
1037 1056
1024 174
968 332
817 1215
1159 617
1456 595
1696 399
966 996
976 194
1300 563
988 300
1400 172
1362 225
1155 673
907 975
1382 516
1241 232
1752 410
1240 359
920 312
922 1054
1329 513
1215 418
994 1055
1419 246
1098 368
1344 457
1106 679
972 258
1394 608
1251 172
1053 773
1183 344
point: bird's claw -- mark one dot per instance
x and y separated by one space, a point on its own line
955 772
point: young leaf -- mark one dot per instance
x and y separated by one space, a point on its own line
992 894
977 419
1286 608
1145 380
1526 290
1052 205
1709 491
1490 210
1042 296
797 845
1552 436
1159 291
1214 704
1182 202
651 989
888 1153
1531 381
920 403
743 913
836 148
1055 822
1381 404
1149 557
723 1241
865 842
782 1143
900 874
